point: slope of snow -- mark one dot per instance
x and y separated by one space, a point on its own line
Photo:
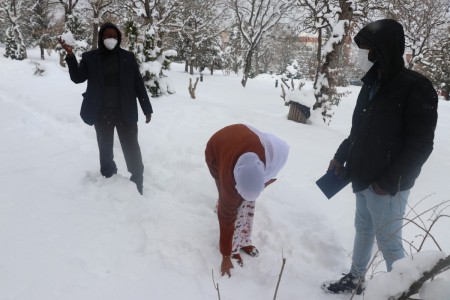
68 233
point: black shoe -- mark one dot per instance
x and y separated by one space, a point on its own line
138 180
346 284
109 175
140 189
109 170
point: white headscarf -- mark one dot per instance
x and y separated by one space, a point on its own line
251 174
275 150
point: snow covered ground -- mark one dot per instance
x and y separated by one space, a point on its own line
68 233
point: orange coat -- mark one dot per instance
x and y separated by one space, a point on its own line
221 154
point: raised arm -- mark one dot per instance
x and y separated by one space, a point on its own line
78 72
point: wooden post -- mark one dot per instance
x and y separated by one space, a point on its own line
192 89
295 113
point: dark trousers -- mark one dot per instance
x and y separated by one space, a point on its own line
128 137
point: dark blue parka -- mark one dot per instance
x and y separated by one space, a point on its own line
394 119
132 85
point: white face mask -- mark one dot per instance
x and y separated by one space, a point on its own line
110 43
363 60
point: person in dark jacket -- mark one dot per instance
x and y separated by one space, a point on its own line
391 137
113 84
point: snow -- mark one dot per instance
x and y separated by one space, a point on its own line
405 272
303 95
337 35
68 233
170 53
154 67
69 39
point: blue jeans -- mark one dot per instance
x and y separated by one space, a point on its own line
381 217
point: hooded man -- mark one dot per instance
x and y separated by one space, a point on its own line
113 84
391 137
243 161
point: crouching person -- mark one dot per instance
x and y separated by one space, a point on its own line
243 161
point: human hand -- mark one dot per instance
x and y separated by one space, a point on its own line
336 166
226 265
378 189
270 182
66 47
148 118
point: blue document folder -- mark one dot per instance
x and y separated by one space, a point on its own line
330 183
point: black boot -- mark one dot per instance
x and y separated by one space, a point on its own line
108 170
139 181
347 284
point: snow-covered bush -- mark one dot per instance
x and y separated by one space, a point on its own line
293 70
150 57
14 49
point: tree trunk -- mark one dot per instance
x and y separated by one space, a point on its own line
236 68
42 52
193 58
319 55
266 67
247 67
256 64
62 62
95 35
326 94
191 88
186 66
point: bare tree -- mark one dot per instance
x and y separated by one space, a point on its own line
199 24
255 19
99 9
68 5
314 24
423 22
39 24
437 64
160 14
278 49
330 20
232 49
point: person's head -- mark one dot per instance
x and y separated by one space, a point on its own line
249 175
109 37
386 41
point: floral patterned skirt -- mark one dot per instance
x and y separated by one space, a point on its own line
243 226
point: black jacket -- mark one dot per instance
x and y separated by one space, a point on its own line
392 133
132 85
